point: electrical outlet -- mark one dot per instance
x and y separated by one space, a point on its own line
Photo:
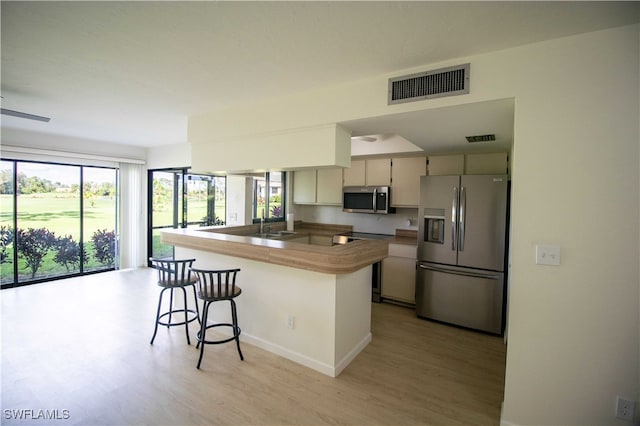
624 409
291 322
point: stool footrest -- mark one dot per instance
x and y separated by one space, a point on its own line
179 313
236 329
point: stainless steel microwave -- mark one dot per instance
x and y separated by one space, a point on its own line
367 199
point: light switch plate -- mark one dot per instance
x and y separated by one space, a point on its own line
547 255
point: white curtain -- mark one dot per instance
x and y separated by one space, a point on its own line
133 213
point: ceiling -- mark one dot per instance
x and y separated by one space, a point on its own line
133 72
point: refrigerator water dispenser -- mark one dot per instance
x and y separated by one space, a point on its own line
434 226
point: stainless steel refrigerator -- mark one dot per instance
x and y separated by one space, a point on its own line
461 250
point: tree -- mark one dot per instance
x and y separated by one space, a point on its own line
34 244
68 253
104 244
6 181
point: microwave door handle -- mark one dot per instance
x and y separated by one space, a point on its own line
463 217
375 199
454 219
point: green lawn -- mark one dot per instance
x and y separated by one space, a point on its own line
60 214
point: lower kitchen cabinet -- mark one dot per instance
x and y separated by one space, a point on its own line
399 273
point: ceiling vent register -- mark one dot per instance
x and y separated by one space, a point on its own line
450 81
481 138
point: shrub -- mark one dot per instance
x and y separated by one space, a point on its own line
68 253
6 238
276 211
34 244
104 244
207 221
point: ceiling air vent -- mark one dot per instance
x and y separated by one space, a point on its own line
481 138
438 83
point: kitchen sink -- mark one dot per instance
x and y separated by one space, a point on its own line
265 235
272 235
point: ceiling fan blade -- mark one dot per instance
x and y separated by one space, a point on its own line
24 115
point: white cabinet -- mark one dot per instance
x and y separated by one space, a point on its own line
487 164
355 175
304 186
318 186
372 172
399 273
446 165
378 172
469 164
405 180
329 186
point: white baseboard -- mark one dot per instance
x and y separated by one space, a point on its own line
319 366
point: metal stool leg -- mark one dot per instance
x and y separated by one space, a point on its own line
236 329
170 307
195 299
203 331
186 317
155 330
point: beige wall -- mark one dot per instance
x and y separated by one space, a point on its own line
574 337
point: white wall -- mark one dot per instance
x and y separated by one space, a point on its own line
169 156
65 144
574 338
239 200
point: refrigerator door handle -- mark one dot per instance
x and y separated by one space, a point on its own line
459 272
462 218
454 219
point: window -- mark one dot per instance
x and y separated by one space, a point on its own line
57 220
178 199
269 197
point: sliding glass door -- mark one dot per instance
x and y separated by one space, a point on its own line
178 199
57 220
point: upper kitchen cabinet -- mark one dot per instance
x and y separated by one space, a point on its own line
378 172
469 164
304 186
318 186
371 172
487 164
355 175
405 180
446 165
329 186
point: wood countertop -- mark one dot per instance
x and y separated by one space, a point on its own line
238 241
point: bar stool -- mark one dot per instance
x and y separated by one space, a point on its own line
216 286
172 275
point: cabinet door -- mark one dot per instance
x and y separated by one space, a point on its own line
446 165
487 164
378 172
405 180
304 186
399 279
329 186
355 175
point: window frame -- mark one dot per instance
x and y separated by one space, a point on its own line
254 202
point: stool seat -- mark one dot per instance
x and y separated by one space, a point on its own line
178 283
172 275
215 286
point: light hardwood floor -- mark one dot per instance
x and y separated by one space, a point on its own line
82 345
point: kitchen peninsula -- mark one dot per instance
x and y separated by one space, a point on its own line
302 298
